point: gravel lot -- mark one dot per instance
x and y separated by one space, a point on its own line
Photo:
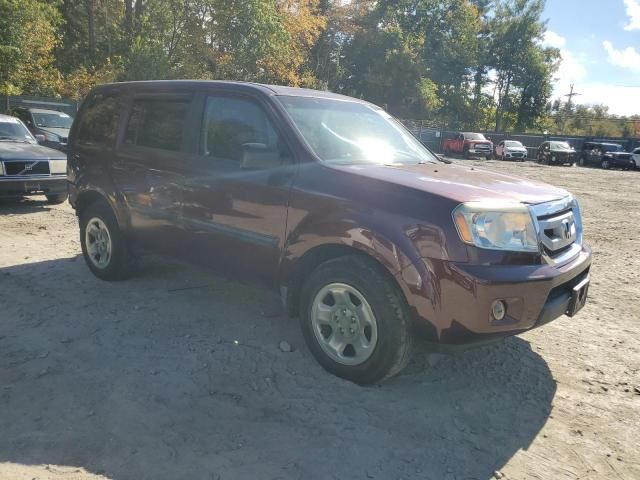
177 374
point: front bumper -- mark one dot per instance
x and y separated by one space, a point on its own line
563 158
454 299
520 155
49 185
480 151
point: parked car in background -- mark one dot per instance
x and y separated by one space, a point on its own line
511 149
330 201
468 145
54 126
27 168
554 152
636 157
606 155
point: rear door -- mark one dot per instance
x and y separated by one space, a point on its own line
150 166
237 190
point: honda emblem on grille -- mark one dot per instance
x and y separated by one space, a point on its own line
566 229
29 166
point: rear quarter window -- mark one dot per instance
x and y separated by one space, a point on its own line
98 124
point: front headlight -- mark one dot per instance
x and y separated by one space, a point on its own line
496 226
58 166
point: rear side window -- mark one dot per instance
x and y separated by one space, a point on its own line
99 122
157 123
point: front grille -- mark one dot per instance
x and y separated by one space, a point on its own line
517 154
482 146
26 167
559 229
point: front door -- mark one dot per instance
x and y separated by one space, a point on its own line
237 190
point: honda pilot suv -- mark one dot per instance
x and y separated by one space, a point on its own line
367 235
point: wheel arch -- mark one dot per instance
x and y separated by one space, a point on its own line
292 278
90 197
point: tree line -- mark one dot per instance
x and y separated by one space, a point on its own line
465 64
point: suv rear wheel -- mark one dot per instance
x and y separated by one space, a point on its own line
355 320
104 247
605 164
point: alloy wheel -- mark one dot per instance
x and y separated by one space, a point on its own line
344 324
98 242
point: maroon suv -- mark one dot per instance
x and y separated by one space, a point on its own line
368 235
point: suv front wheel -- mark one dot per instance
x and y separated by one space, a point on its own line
355 320
104 246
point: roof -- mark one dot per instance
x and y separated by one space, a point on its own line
37 110
267 89
6 117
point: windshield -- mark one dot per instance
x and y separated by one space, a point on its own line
11 130
354 133
52 120
612 148
512 144
560 146
475 136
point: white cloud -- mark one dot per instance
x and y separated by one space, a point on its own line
628 58
620 100
633 12
552 39
573 70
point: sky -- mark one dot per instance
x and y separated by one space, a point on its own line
599 41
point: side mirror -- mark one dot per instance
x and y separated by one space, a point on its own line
258 156
40 138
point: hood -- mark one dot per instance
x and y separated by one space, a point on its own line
26 151
563 150
485 142
61 132
461 183
515 149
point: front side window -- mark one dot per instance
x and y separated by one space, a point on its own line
613 148
238 134
349 132
156 123
99 122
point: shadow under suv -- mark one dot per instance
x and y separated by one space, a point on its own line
328 199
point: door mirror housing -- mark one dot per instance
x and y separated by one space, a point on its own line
40 138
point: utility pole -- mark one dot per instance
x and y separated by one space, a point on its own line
570 96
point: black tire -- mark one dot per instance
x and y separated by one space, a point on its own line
582 162
465 154
394 344
119 265
488 157
605 164
57 199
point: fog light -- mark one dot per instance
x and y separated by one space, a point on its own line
498 309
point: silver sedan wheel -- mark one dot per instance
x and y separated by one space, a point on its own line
344 324
98 242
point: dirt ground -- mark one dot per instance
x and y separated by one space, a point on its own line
177 374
